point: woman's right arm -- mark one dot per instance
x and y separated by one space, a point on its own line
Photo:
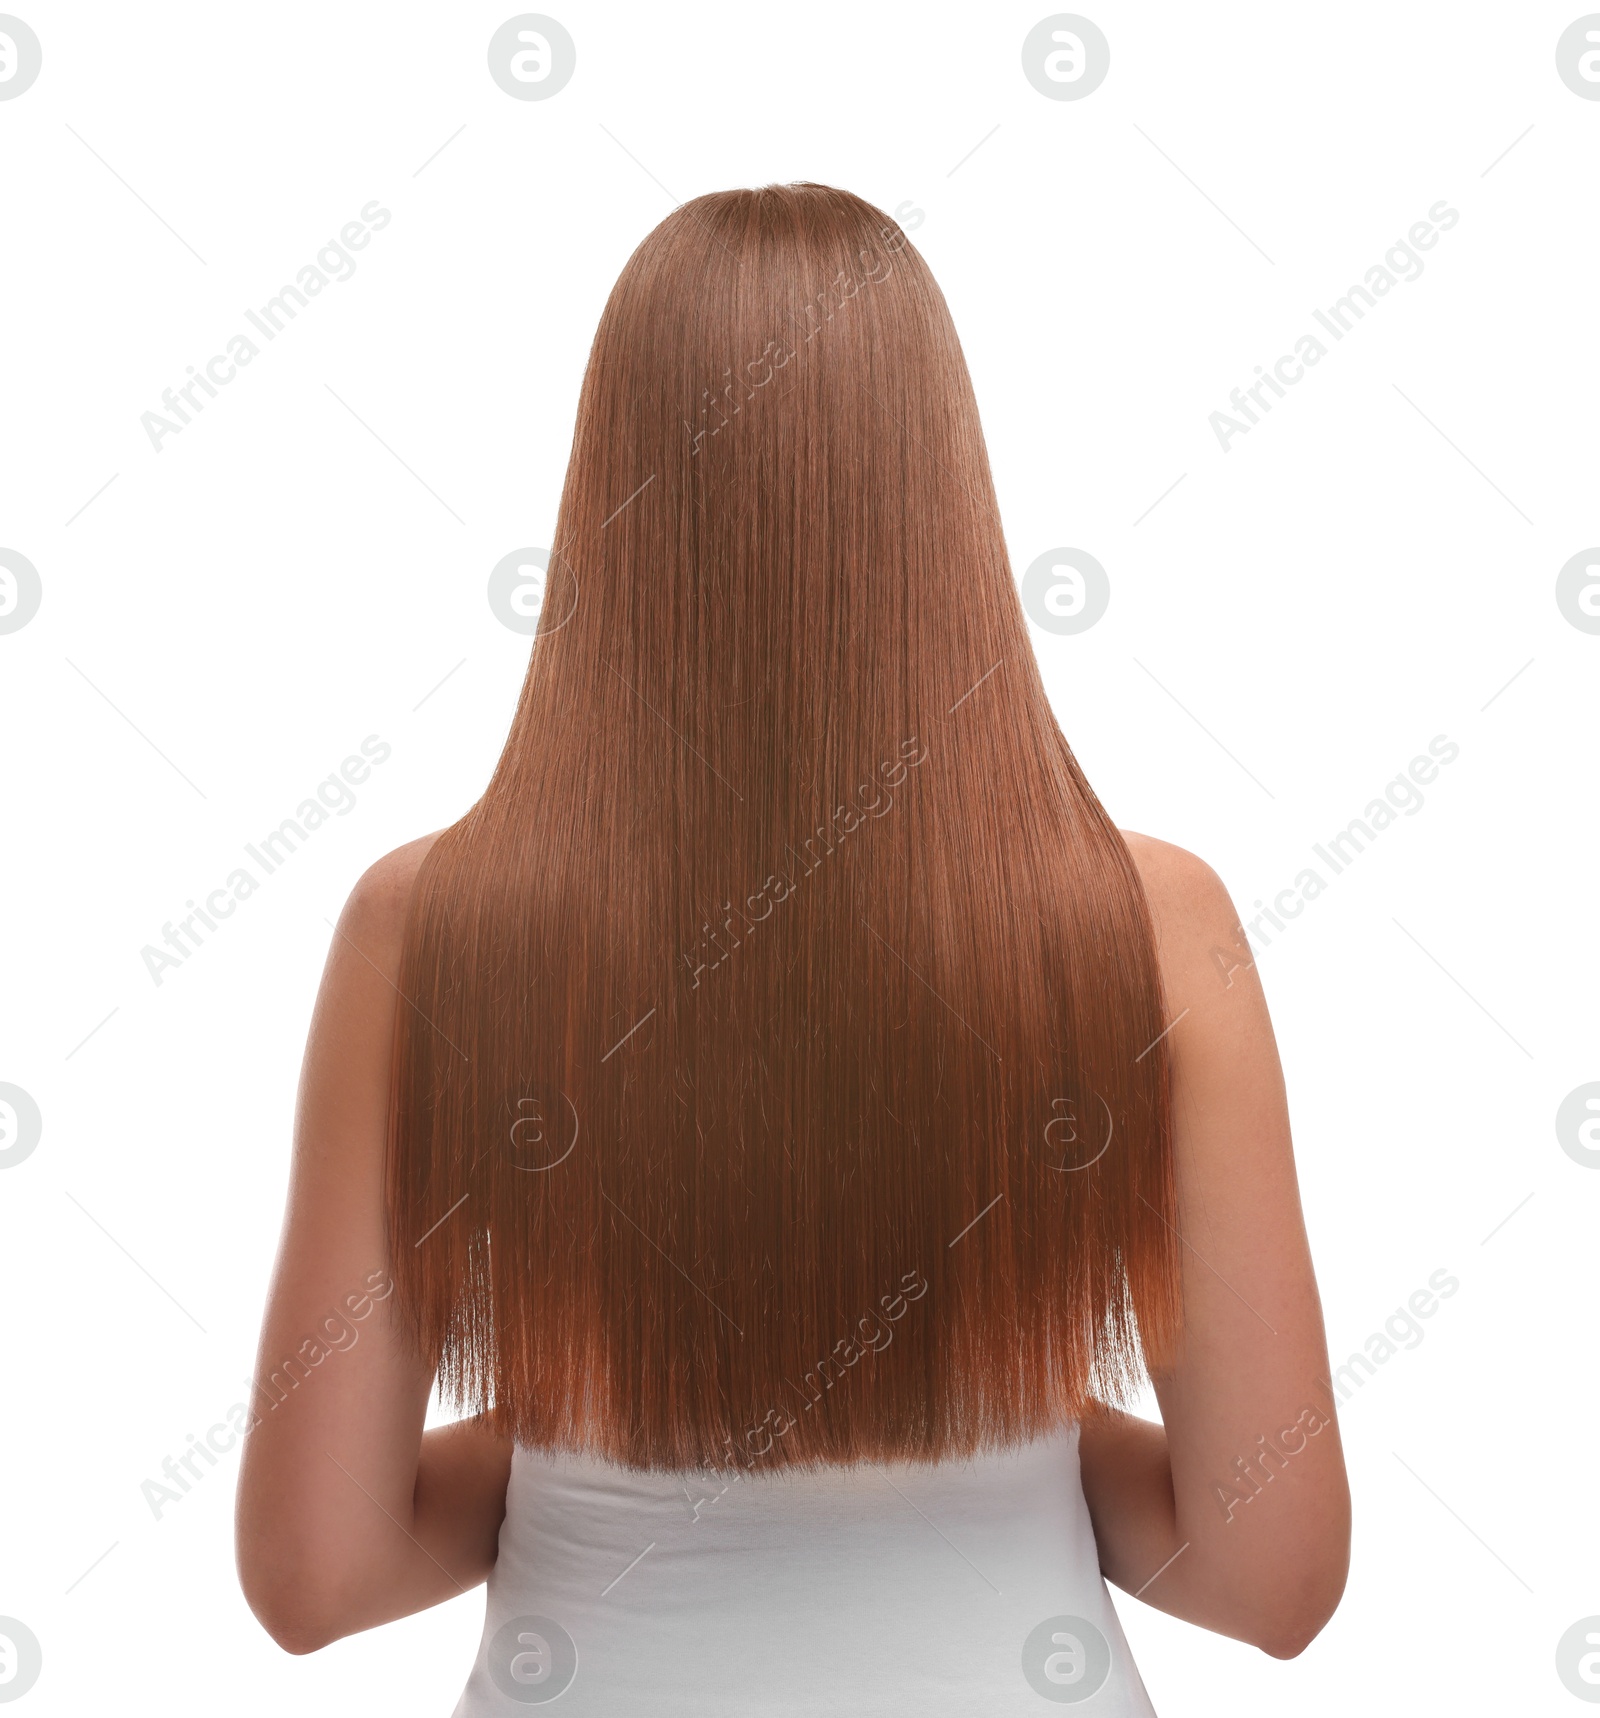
1234 1514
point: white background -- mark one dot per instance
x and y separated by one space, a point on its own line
1289 626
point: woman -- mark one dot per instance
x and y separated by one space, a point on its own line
785 1111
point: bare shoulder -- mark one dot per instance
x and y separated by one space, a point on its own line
1198 933
1183 890
354 1015
374 916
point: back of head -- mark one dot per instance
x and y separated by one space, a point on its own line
775 1080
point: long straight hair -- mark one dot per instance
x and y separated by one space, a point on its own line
780 1073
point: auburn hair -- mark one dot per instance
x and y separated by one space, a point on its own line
780 1075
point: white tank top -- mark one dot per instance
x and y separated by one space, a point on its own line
961 1588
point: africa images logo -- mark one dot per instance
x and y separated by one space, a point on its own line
1401 263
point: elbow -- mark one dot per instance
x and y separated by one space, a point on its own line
292 1616
293 1601
298 1585
1290 1639
1290 1625
1294 1591
295 1634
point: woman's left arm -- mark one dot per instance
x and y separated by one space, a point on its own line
348 1514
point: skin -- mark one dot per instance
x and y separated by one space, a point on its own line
1269 1570
350 1515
